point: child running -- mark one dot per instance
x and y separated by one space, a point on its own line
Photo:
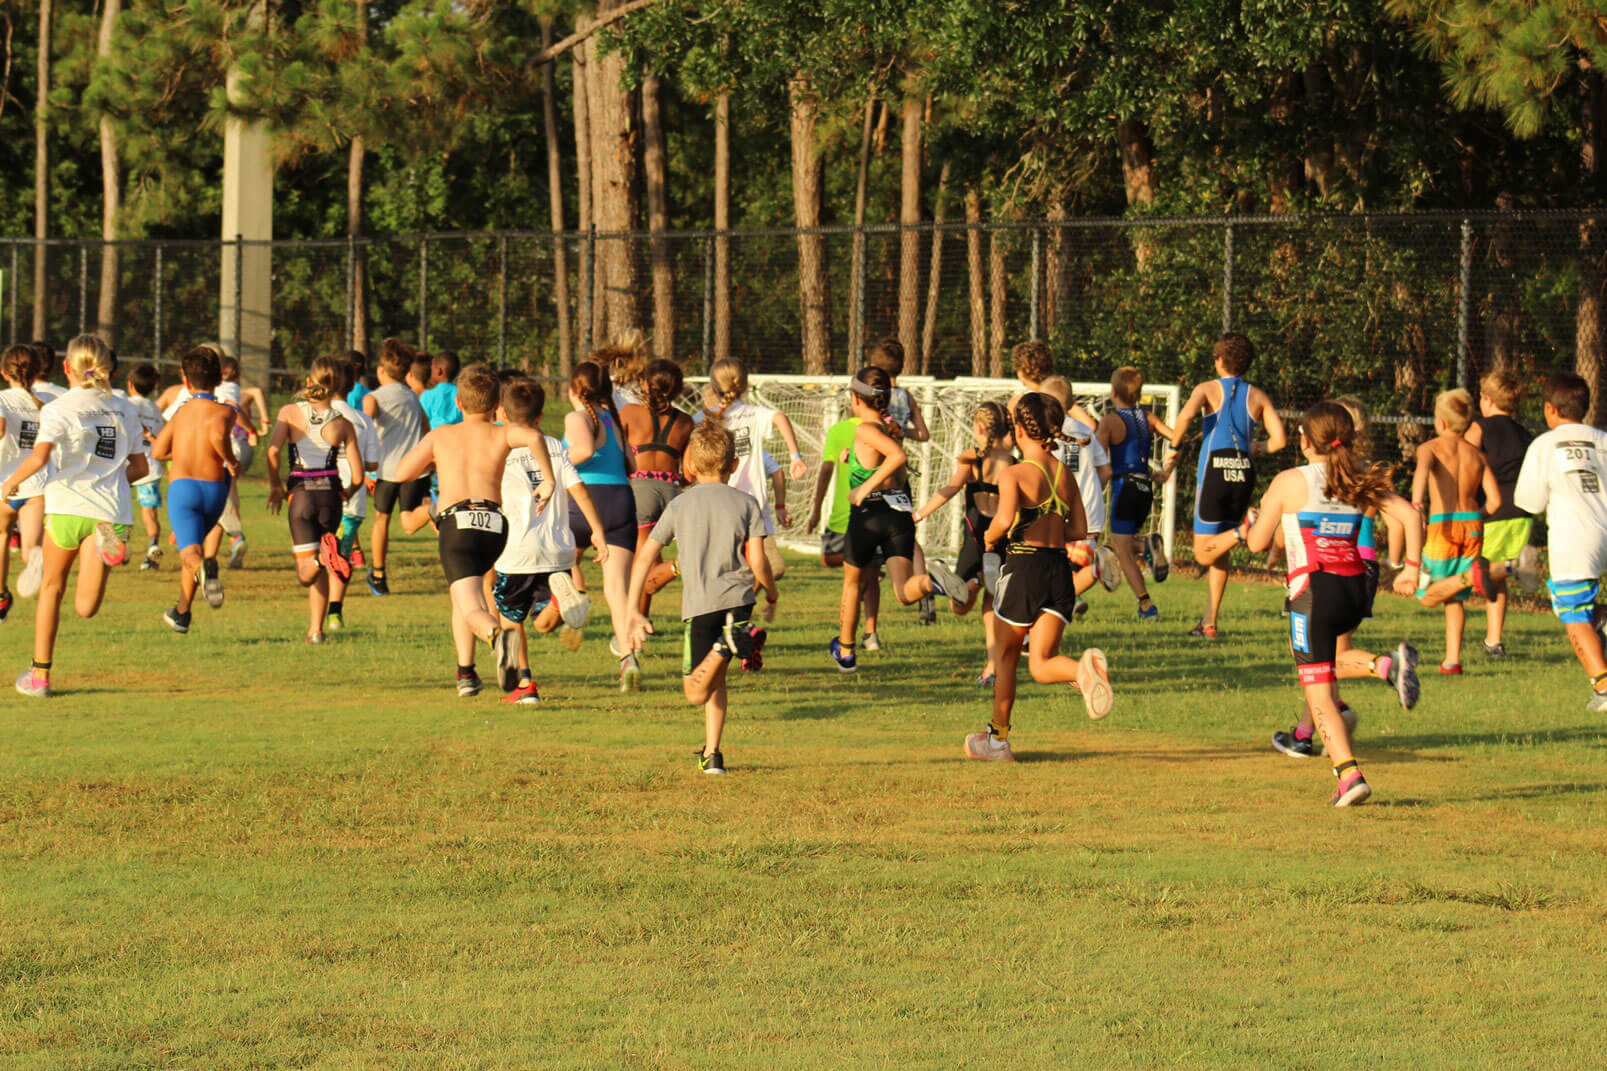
251 423
976 473
1504 443
888 355
1450 474
1224 486
19 432
1079 449
356 506
1564 475
719 531
470 459
1039 515
833 475
657 433
315 435
533 569
400 423
1319 508
1129 432
141 387
880 519
97 446
199 442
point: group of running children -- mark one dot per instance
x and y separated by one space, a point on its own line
463 451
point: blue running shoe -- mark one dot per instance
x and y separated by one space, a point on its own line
846 663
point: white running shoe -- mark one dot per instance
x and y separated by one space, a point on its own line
1093 680
237 551
946 580
1527 572
32 575
573 604
1108 566
870 643
110 545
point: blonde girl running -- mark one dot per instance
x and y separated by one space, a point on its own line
19 429
97 445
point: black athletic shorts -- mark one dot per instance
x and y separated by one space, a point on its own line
1034 581
969 564
1370 576
1131 497
1225 491
1329 607
616 508
877 528
314 511
473 535
516 594
412 494
697 639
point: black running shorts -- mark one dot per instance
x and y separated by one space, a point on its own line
314 511
1034 581
1329 607
411 494
878 529
697 639
516 594
472 538
1131 497
616 508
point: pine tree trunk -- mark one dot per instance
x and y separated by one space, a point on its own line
656 165
555 204
111 190
41 173
584 224
615 190
356 157
722 223
808 174
1590 353
997 281
934 271
909 244
856 281
1058 292
1138 178
978 302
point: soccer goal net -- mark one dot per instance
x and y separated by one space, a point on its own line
815 403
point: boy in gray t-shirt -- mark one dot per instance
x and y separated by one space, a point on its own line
720 532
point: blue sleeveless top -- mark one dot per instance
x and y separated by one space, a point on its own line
607 464
1132 453
1229 427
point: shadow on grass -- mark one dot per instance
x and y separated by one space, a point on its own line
1590 734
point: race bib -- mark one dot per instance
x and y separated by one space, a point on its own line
899 500
1578 458
106 441
478 520
28 435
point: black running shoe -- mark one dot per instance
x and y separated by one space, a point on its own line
176 621
1160 563
1292 746
377 585
928 609
712 762
742 640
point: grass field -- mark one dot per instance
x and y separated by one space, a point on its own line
231 850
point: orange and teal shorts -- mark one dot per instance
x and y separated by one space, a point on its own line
1454 540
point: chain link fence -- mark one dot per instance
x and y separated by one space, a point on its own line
1391 308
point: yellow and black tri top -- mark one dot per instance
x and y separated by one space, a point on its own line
1027 516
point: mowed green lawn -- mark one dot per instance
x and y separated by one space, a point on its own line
229 849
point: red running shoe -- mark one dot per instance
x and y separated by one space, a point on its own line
330 557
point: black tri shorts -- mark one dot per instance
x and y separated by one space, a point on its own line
411 495
472 537
314 511
1329 607
1034 581
876 528
1226 490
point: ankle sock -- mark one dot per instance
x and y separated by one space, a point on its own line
334 606
1304 731
1346 768
465 671
1001 735
1597 681
1381 666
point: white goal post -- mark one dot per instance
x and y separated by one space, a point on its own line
815 403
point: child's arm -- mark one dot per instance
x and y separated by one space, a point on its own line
1474 436
1400 512
1191 409
533 440
762 576
957 482
921 433
1076 412
588 510
371 409
1268 415
1159 427
1425 464
893 459
778 495
1009 496
254 396
38 459
822 480
639 627
797 470
578 434
1273 506
417 461
162 448
1492 490
276 445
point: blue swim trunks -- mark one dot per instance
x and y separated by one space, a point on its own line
193 508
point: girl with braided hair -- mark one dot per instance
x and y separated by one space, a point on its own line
657 433
1320 508
596 448
1040 512
976 473
880 518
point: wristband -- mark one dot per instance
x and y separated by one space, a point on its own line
797 457
1410 564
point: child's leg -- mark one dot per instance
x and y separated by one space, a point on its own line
1216 585
1586 642
871 594
153 524
990 635
616 587
317 602
337 593
378 541
7 516
92 576
1455 618
1007 657
848 606
1495 611
1044 660
58 562
1127 553
189 562
31 526
772 552
468 603
1323 702
908 585
463 638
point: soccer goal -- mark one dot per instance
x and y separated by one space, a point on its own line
815 403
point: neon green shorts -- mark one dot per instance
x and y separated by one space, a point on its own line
68 531
1504 539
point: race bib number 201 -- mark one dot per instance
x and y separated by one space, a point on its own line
1578 458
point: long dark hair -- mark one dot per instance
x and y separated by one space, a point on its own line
1331 432
591 384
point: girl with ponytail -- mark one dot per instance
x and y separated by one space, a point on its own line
97 445
19 428
1040 515
881 518
596 448
657 433
1320 509
976 473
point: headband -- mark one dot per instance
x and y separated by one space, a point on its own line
863 389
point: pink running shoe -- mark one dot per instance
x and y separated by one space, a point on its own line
112 549
330 557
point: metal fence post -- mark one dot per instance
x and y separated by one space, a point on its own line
423 290
351 292
239 293
1227 278
502 299
1464 304
1037 283
156 325
15 284
83 287
708 302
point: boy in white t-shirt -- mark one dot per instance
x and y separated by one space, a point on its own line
1564 476
355 507
533 568
143 382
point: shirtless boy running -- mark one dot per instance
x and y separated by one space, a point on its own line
468 459
199 444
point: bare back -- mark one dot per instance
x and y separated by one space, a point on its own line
1455 473
197 442
674 429
469 459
